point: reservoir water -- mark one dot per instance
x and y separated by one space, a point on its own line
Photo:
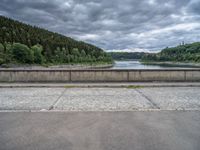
135 64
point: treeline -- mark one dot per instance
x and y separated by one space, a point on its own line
181 53
22 43
127 55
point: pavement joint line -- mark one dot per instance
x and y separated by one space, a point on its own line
146 97
57 100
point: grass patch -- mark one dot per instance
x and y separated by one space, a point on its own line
135 87
69 86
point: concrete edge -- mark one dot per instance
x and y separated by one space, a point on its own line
129 86
95 111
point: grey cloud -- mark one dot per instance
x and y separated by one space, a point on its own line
194 6
113 24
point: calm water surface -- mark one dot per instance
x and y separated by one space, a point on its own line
135 64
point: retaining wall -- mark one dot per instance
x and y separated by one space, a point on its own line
103 75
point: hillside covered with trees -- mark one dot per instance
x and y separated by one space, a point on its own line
25 44
182 53
127 55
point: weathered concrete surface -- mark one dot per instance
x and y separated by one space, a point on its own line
28 98
174 98
61 75
102 75
157 75
192 75
164 130
100 99
34 76
100 130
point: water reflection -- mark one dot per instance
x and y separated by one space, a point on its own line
135 64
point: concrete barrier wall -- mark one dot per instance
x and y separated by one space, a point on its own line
8 75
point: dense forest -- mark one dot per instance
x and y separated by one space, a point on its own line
25 44
181 53
127 55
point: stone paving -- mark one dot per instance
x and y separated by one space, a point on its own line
100 99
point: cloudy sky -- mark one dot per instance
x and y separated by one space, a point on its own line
128 25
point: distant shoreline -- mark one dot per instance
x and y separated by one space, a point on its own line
174 64
62 66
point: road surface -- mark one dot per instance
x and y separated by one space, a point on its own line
139 118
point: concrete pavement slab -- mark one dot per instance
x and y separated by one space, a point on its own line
163 130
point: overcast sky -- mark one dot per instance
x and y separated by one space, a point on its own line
129 25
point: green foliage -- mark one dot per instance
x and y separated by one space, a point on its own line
1 48
83 53
8 53
54 48
75 52
37 52
22 53
181 53
1 54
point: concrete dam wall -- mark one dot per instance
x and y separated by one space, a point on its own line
103 75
